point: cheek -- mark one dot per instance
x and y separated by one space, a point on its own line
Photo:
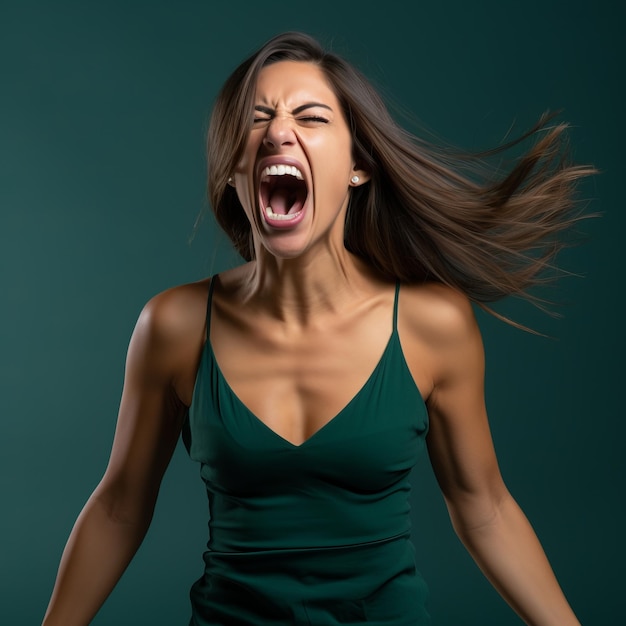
245 186
335 166
249 154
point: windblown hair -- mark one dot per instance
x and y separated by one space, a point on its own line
427 213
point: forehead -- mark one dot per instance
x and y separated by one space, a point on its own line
288 82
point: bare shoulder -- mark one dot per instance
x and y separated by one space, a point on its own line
440 337
438 314
176 311
170 329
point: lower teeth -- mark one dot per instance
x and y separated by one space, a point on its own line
280 216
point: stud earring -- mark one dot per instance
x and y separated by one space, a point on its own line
230 180
355 180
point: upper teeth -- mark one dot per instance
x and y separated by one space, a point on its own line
281 170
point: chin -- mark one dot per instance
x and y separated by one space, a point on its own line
285 252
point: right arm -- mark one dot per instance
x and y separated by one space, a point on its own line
115 519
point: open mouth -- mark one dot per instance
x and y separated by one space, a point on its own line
282 193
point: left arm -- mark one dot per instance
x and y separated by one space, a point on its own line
484 515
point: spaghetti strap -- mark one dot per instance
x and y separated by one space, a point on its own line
208 305
395 307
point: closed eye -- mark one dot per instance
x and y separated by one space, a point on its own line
313 118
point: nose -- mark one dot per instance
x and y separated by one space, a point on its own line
279 133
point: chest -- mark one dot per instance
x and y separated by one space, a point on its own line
297 385
372 439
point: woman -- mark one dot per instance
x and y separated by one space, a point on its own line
307 380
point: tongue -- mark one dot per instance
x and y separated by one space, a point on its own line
281 200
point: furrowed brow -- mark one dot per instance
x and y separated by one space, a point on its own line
303 107
310 105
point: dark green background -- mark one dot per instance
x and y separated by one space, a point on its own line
102 117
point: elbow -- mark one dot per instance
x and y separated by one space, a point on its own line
474 515
123 506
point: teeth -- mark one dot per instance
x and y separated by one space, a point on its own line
281 170
280 216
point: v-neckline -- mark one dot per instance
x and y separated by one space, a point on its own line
256 419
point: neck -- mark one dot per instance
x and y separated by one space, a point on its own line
298 290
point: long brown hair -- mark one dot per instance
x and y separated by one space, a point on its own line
426 213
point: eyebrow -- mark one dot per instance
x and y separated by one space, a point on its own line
302 107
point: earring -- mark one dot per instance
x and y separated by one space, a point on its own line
230 180
355 180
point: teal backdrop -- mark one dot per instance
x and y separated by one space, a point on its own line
103 111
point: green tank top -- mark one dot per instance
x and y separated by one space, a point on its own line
316 533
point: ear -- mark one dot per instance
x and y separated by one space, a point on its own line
359 176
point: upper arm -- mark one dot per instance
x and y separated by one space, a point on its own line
459 441
150 414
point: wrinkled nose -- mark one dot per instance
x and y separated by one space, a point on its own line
279 133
